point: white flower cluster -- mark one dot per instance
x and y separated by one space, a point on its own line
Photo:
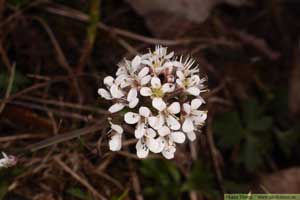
160 95
7 161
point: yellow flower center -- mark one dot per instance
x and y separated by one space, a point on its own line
157 92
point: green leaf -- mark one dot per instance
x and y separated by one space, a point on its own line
123 195
251 111
262 124
228 129
252 153
78 193
200 179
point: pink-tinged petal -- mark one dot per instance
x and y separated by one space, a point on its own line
173 123
191 136
116 107
142 150
140 131
174 108
109 80
168 152
150 133
104 94
155 82
153 145
115 143
145 80
116 128
195 104
144 111
132 94
116 92
131 118
143 72
133 103
145 91
159 104
188 125
163 131
135 63
178 137
187 108
193 91
168 87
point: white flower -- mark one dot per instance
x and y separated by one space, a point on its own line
157 91
162 97
166 116
115 142
193 117
7 161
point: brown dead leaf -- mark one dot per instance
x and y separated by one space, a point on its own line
284 181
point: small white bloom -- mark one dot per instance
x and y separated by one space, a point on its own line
7 161
115 142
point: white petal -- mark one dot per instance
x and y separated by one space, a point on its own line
178 137
153 145
145 91
188 125
199 116
195 104
195 80
177 64
140 131
115 143
104 94
155 82
168 87
159 104
116 128
191 135
136 63
180 83
170 55
173 123
145 80
187 108
150 133
132 94
168 152
156 122
180 75
193 91
131 118
162 143
116 107
163 131
133 103
174 108
109 80
168 64
116 92
143 72
142 150
144 111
